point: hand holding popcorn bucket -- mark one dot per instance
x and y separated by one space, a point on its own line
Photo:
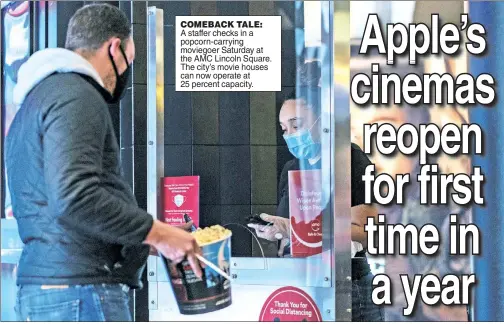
212 291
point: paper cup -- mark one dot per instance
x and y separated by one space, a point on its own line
210 293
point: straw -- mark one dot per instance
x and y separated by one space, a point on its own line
213 266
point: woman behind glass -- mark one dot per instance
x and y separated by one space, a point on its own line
300 122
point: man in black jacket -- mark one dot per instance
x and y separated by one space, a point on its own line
86 240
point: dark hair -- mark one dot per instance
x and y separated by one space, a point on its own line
307 89
94 24
310 96
308 74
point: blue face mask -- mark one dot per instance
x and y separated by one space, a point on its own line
302 145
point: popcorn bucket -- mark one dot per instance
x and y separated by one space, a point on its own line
210 293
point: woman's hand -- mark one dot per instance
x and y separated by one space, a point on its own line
186 226
278 230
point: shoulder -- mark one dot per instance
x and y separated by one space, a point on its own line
72 85
357 152
359 163
359 158
290 166
64 81
71 91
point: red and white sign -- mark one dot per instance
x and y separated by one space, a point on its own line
305 209
181 196
290 304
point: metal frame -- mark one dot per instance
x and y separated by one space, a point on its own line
34 46
40 35
2 189
340 133
52 24
155 130
11 244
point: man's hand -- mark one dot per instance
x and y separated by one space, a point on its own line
186 227
279 230
175 244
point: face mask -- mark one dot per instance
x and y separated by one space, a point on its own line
302 145
121 80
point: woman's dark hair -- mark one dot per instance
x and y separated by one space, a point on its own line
308 95
307 89
309 74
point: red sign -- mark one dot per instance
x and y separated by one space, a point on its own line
305 209
290 304
181 197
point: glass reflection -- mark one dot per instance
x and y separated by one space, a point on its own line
16 42
296 225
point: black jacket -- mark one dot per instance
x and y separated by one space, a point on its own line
77 216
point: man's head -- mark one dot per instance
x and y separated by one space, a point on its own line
101 33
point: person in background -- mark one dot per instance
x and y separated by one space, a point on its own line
85 239
300 122
411 212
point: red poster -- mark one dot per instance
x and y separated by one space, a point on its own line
181 196
305 209
290 304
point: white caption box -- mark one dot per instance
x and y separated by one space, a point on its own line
228 53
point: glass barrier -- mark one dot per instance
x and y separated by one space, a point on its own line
265 171
17 44
261 164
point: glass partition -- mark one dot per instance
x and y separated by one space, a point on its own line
264 164
273 155
264 154
16 48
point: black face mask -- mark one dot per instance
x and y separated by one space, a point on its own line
121 80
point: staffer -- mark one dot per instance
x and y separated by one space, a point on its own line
85 237
300 121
